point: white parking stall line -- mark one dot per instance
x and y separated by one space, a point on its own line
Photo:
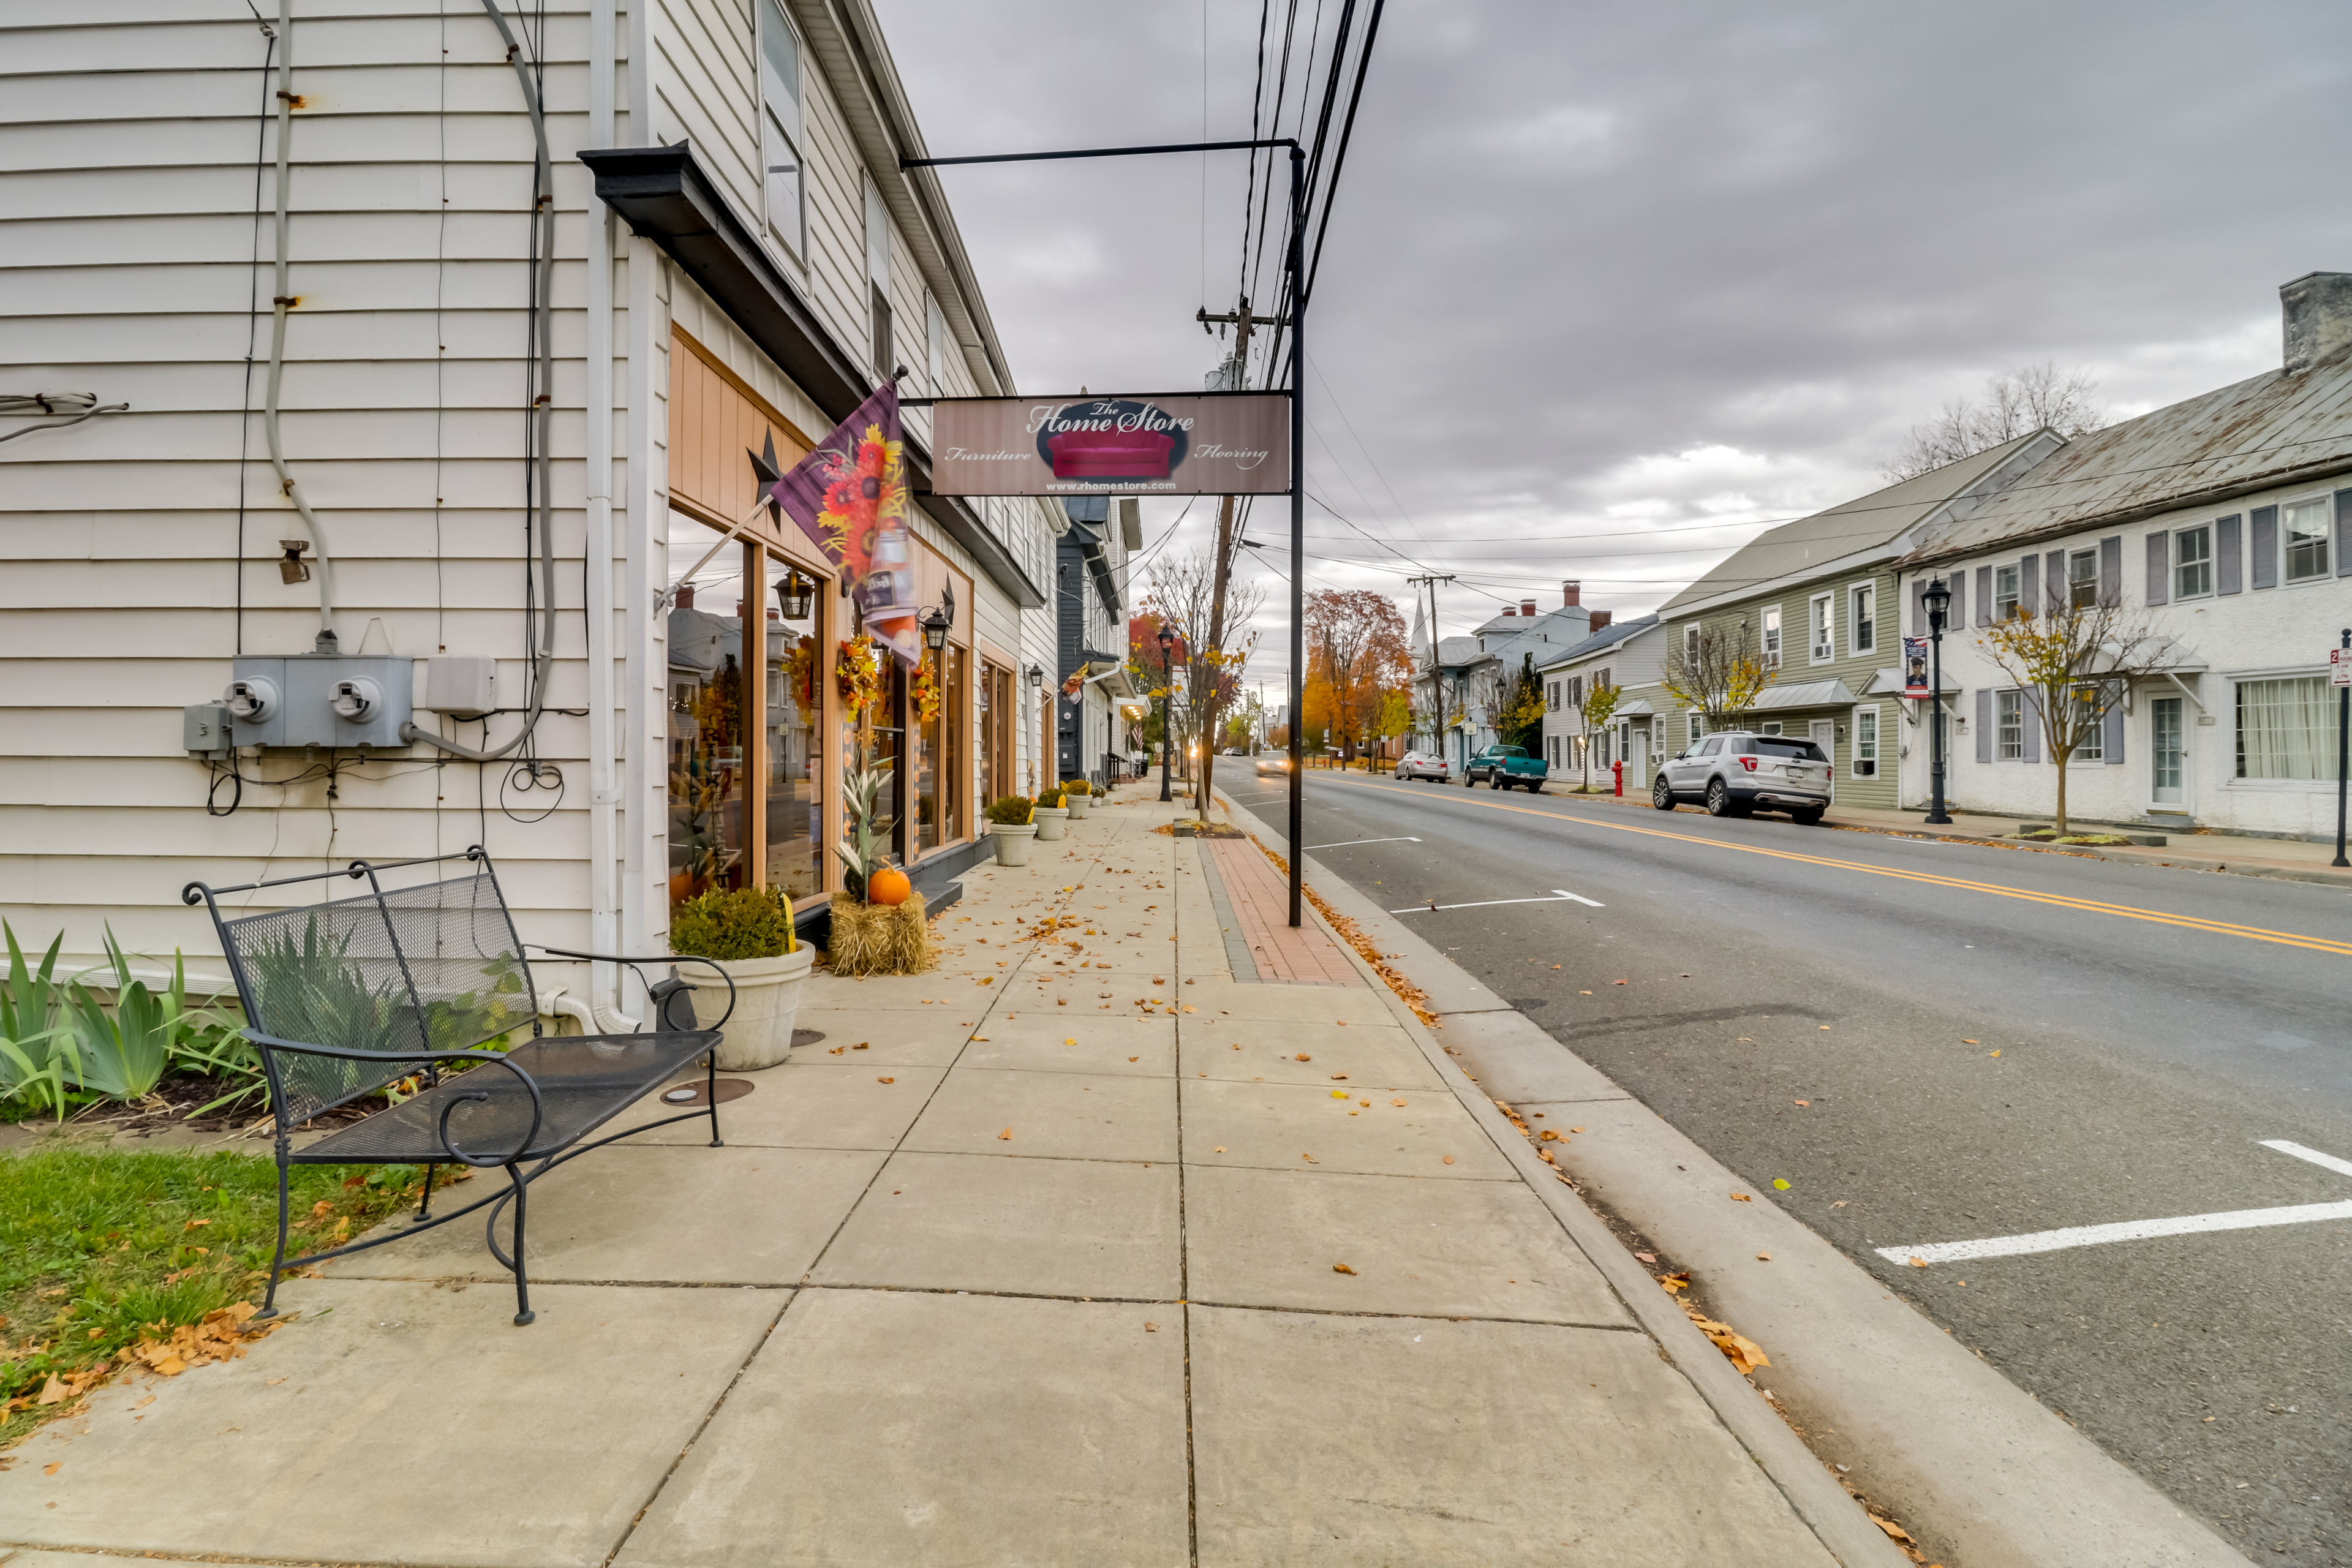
1344 843
1555 897
2137 1229
1580 897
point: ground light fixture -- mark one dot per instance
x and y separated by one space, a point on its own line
1937 598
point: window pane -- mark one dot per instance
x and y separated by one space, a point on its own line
779 51
708 775
1865 743
2286 729
796 665
2083 579
1865 620
2306 539
2004 593
2193 572
2010 724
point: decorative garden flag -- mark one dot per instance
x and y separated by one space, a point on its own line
849 496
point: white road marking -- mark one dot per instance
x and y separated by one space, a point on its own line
2139 1230
1489 903
2341 1167
1345 842
1580 897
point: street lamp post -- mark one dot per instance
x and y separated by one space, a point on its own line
1937 598
1167 730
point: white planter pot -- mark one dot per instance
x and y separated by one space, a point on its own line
1079 804
759 1033
1013 841
1049 821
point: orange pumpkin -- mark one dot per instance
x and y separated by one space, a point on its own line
887 886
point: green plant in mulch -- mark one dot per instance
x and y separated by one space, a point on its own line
744 922
111 1258
2103 840
1013 811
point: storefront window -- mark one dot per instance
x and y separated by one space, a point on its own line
795 785
924 748
951 723
708 777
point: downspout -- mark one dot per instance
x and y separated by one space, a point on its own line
642 817
282 300
604 790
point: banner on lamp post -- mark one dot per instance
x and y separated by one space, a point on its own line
1184 443
1915 666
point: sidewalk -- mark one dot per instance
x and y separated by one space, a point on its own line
2293 860
1166 1239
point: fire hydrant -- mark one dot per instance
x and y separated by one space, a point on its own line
1618 767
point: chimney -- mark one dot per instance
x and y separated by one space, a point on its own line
1526 606
1508 611
685 600
2317 312
1571 593
1600 620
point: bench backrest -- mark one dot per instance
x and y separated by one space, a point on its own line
423 969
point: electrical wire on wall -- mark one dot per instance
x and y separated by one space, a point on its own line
79 405
538 503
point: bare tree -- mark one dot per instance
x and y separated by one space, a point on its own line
2015 403
1185 595
1713 671
2073 664
1600 704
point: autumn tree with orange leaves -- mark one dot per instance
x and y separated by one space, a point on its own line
1356 656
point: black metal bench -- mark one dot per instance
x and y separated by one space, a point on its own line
352 996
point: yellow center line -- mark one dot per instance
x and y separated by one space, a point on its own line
2061 900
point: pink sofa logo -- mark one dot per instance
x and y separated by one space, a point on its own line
1113 439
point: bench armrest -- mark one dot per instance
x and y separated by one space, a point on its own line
671 958
531 1086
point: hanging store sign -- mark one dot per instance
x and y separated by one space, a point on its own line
1185 443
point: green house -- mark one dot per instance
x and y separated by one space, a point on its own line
1814 600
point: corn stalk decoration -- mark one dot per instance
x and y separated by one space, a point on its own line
863 853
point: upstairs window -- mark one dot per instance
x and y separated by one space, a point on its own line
2306 538
1864 634
1824 628
780 126
878 274
2192 562
2004 593
1772 637
2083 580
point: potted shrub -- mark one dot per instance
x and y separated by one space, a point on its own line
1051 814
1013 826
748 931
1078 795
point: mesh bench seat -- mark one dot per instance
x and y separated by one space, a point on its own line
349 997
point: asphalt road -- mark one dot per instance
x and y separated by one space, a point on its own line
1939 1043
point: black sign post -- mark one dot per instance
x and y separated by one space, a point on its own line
2343 738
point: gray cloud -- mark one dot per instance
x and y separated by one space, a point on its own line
1598 274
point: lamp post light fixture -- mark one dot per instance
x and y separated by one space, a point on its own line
796 595
1937 599
935 628
1167 685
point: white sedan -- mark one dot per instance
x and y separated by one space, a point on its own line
1424 765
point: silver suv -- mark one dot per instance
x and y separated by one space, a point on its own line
1736 772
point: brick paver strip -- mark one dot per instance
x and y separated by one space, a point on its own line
1261 901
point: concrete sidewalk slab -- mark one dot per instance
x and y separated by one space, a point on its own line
1440 1249
397 1421
1079 1044
1068 1115
993 1222
889 1038
1363 1058
639 1212
1353 1005
1300 1127
842 1104
1413 1440
890 1427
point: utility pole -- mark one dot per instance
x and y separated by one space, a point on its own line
1242 320
1437 677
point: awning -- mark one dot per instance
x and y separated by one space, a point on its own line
1638 709
1810 694
664 195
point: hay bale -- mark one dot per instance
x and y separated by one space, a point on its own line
879 939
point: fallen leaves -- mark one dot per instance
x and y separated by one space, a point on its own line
1449 1159
1763 1258
1918 1263
221 1335
885 1081
1549 1135
1780 1184
1341 1268
1305 1058
1800 1102
1674 1282
1313 1160
1742 1198
1398 1100
1005 1136
1150 1328
1338 1094
1338 1075
1745 1355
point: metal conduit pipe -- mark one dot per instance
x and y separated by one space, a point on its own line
542 389
282 300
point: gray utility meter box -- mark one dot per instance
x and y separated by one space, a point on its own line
334 701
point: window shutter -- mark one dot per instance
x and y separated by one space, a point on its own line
1918 608
1984 595
2265 545
2029 708
2160 567
2055 594
2111 569
2112 742
1984 721
2344 533
2029 585
2228 569
1957 615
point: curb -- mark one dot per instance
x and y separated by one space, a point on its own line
1966 1458
1818 1501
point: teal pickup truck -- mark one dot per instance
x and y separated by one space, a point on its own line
1504 766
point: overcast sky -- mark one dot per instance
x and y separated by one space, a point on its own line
1608 286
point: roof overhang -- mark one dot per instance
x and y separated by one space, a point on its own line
664 195
1809 694
1889 683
